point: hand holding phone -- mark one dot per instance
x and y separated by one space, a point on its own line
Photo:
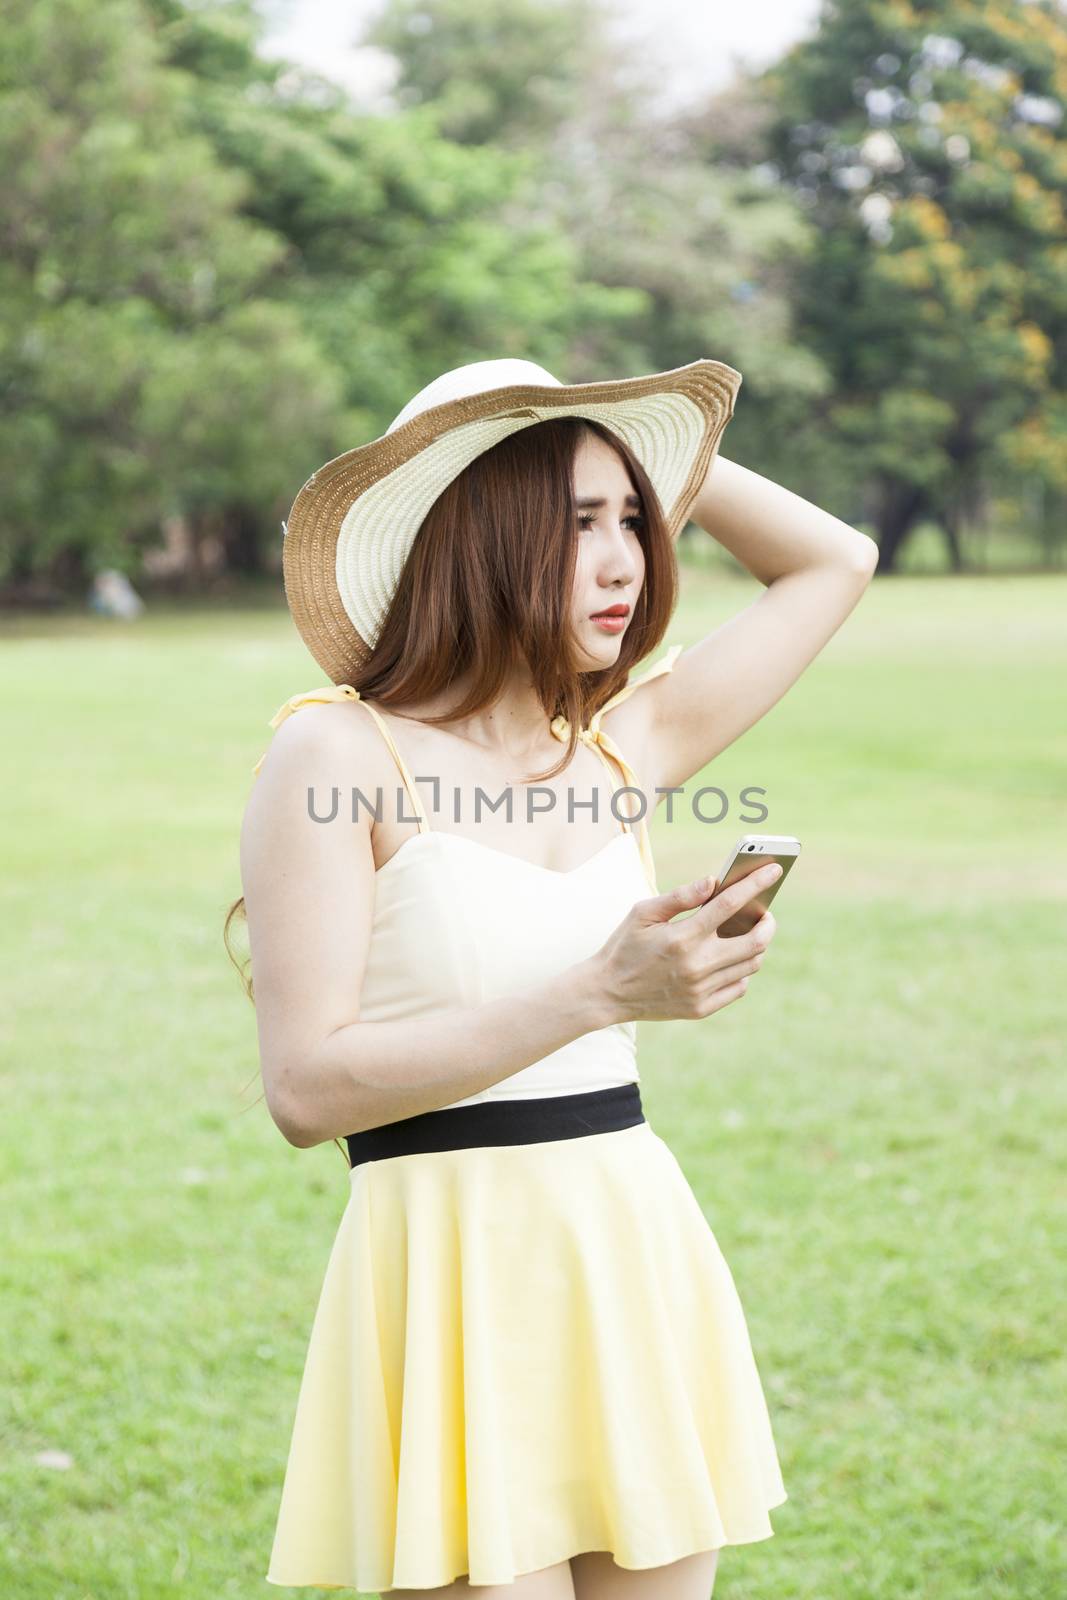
752 851
660 963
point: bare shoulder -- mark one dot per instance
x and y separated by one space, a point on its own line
317 748
326 742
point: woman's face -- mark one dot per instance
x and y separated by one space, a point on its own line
610 566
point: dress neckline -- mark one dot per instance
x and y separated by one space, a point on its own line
505 855
595 735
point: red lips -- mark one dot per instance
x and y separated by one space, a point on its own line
612 611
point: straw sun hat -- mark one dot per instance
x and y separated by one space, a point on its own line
352 526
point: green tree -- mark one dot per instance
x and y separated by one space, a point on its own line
701 260
214 284
143 363
409 251
503 72
926 139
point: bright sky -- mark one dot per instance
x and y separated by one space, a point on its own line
698 41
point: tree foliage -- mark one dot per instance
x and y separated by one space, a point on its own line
927 142
219 270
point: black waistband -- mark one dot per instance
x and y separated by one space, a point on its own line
564 1116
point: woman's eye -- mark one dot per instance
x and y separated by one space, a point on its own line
585 520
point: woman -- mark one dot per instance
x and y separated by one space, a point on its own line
529 1370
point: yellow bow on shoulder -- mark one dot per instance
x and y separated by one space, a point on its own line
330 691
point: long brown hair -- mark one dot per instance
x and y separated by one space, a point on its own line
488 584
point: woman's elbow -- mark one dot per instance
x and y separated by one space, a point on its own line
289 1125
287 1106
866 553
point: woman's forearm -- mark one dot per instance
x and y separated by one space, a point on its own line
370 1073
771 530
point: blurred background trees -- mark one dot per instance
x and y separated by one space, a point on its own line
217 274
926 144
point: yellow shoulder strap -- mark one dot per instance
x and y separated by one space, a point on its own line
344 691
602 742
664 664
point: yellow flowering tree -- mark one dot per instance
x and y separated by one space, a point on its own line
928 143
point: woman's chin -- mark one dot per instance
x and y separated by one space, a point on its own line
602 647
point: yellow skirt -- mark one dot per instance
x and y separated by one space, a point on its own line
521 1352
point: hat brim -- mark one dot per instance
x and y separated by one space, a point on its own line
353 522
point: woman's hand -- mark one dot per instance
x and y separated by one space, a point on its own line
654 969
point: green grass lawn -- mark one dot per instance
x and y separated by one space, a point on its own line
875 1132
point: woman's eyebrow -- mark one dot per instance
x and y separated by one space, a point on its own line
594 505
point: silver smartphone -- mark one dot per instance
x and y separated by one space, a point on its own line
752 851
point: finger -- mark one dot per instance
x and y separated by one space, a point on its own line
661 908
724 976
724 997
735 947
722 906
